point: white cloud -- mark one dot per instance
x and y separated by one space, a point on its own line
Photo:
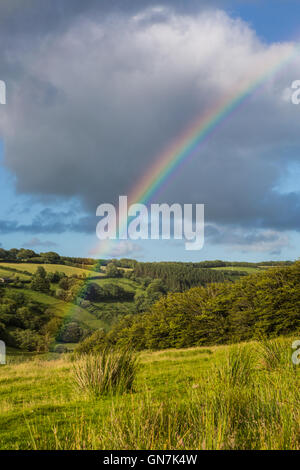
116 249
125 248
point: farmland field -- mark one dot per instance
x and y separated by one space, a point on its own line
126 284
32 267
10 274
246 269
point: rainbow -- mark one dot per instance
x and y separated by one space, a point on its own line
186 146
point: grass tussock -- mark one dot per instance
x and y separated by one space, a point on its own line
237 368
107 372
275 353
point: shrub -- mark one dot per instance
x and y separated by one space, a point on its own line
108 372
40 282
83 303
61 349
113 271
70 333
30 340
92 344
55 277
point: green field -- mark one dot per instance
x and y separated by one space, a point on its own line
12 274
244 269
126 284
32 267
182 399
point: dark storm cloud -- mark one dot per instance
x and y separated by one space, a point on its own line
49 221
95 100
19 17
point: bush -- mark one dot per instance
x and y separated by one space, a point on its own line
108 372
70 333
92 344
111 291
40 282
113 271
83 303
55 277
30 340
60 349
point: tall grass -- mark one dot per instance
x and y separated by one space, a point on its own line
231 404
238 367
262 415
107 372
275 353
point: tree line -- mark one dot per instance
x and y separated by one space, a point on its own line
179 277
265 304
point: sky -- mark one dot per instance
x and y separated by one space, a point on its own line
96 90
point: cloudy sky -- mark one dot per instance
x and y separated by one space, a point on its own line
97 89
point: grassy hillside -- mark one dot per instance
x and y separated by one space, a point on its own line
127 284
58 307
32 267
35 316
11 274
216 398
243 269
63 309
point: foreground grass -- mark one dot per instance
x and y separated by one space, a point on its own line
198 398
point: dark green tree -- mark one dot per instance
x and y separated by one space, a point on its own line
113 271
40 282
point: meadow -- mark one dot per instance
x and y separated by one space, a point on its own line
4 273
50 268
243 269
221 397
127 284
